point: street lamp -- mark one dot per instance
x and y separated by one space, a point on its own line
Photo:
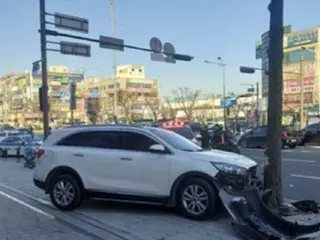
221 64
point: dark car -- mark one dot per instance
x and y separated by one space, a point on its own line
311 134
257 138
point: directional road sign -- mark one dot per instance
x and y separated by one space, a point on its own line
111 43
72 23
77 49
228 102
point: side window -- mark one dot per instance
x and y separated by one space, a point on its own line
259 131
94 139
81 139
137 142
2 134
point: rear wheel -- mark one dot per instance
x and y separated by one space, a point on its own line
196 199
65 192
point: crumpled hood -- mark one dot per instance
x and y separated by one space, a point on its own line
224 157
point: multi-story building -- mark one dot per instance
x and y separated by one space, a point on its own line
301 62
137 94
19 97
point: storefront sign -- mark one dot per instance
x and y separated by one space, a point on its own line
294 98
292 86
61 77
297 39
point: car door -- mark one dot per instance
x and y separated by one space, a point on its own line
259 136
93 154
143 172
12 144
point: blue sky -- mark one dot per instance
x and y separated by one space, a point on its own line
204 29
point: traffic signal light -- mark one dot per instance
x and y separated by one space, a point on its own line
247 70
182 57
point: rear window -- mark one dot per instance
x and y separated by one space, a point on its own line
185 132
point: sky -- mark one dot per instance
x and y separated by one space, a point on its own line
205 29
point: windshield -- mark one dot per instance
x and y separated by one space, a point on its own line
185 132
27 139
175 140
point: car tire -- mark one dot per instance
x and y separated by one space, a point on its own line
206 194
292 146
71 186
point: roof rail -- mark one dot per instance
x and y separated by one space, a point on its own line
104 125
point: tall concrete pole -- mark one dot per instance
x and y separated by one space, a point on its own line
114 60
301 94
273 167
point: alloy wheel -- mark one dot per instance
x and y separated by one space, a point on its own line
195 199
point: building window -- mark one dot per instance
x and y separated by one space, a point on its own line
295 56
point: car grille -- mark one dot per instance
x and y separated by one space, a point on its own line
253 171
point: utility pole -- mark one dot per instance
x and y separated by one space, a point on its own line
224 95
272 171
257 110
44 88
114 61
301 94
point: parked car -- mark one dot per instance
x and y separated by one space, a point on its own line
11 144
7 133
142 164
257 137
311 134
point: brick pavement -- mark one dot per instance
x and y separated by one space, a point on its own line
138 221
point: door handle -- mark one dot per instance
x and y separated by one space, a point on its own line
126 159
78 155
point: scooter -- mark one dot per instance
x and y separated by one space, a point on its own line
29 157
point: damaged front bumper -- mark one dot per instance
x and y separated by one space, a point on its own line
252 219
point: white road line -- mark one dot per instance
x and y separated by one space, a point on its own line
40 200
27 205
286 159
305 176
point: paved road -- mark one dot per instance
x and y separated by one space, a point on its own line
300 171
301 178
121 221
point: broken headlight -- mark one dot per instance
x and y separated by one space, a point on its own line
230 168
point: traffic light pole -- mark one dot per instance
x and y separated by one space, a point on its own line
43 43
257 110
224 95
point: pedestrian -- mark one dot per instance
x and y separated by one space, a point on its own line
204 137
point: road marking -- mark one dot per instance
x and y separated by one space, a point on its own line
286 159
305 176
27 205
40 200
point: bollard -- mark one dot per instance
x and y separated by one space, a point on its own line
18 155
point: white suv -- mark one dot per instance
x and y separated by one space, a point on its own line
142 164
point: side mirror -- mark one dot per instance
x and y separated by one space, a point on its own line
157 148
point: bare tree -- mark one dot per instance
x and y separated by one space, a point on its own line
126 100
154 105
93 109
186 99
168 110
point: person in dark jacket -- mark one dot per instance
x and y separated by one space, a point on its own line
204 137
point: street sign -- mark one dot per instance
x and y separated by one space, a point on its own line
77 49
72 23
36 66
111 43
169 51
228 102
156 47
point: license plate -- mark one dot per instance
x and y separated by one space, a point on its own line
294 140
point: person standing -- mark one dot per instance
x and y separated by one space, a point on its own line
204 137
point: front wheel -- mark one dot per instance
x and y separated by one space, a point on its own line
65 193
196 199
